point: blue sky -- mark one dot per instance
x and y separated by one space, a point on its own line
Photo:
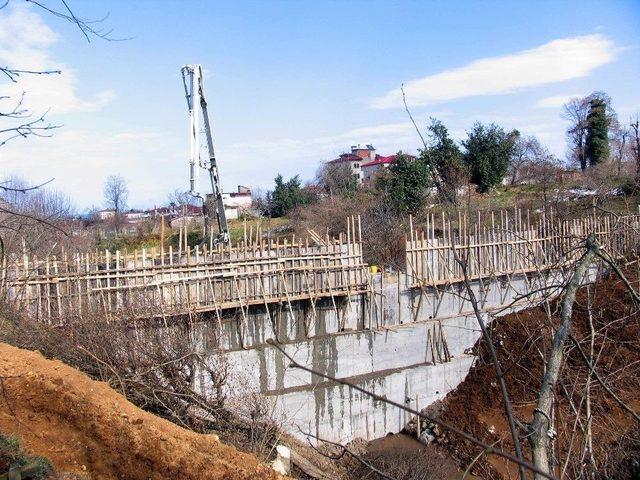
291 84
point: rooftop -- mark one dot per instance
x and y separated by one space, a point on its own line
381 160
346 157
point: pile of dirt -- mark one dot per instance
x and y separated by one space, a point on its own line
85 427
521 340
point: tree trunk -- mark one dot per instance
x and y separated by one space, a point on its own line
540 426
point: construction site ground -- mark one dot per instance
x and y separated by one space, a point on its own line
85 427
476 406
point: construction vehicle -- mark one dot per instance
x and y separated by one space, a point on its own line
213 202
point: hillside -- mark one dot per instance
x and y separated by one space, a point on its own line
85 427
476 405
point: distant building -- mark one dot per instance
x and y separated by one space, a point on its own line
356 158
372 168
236 203
105 214
364 162
134 216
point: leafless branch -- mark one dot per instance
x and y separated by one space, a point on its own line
607 258
28 128
494 356
24 189
488 448
12 73
83 24
36 219
601 381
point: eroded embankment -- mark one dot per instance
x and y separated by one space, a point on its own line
84 426
522 339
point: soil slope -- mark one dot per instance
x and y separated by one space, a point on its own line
520 338
84 426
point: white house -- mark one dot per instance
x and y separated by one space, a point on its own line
356 158
236 203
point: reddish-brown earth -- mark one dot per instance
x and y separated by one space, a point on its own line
84 426
476 405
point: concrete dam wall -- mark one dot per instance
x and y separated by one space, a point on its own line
415 353
404 336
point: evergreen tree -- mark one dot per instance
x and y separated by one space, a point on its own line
488 150
597 141
406 183
286 196
444 160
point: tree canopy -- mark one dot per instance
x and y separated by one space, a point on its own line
406 183
488 152
286 196
597 141
444 161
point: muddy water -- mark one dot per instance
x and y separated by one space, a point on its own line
429 461
398 442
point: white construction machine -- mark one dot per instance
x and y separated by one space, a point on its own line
197 104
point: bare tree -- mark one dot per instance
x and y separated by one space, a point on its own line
336 179
635 138
620 147
180 197
546 172
576 110
116 195
528 153
33 218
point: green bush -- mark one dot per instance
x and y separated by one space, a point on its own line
12 456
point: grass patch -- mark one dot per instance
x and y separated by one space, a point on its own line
12 457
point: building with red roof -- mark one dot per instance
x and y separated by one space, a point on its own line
364 162
356 158
371 169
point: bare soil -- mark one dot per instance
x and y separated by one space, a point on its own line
85 427
521 339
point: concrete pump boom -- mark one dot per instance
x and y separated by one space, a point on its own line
196 102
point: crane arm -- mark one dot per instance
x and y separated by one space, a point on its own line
197 103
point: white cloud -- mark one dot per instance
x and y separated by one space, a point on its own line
556 61
25 42
80 160
555 101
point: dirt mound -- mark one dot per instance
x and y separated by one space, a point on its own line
84 426
520 338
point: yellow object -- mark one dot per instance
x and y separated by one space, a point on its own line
374 268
